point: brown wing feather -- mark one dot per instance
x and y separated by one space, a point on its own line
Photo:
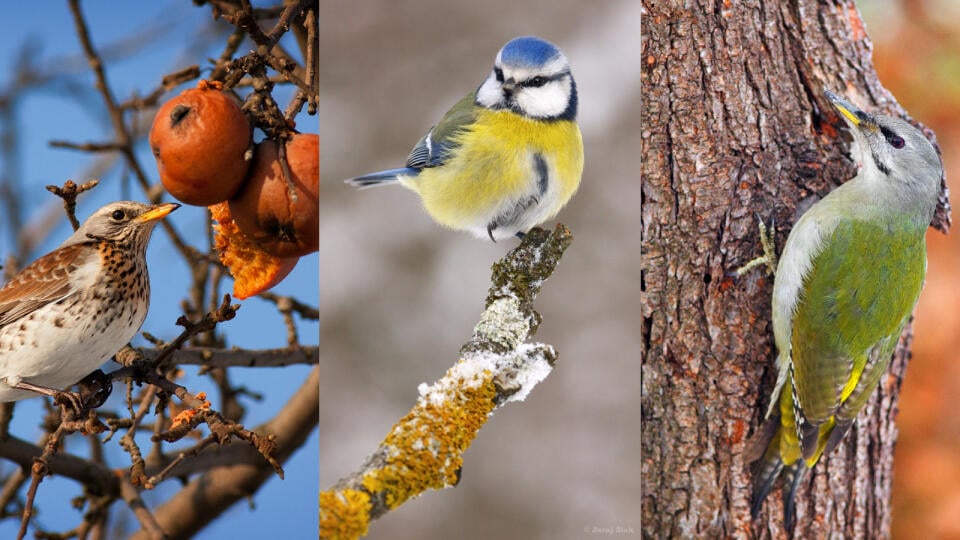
46 280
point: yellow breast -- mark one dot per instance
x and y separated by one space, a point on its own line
494 167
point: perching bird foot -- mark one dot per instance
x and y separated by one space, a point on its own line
95 388
769 257
60 397
71 400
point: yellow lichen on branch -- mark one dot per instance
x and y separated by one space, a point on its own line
346 513
424 450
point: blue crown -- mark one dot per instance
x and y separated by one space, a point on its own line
528 51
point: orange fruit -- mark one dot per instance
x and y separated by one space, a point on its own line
284 224
200 139
253 269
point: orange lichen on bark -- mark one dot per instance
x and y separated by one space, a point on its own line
253 269
344 514
184 416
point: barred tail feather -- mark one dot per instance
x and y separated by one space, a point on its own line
763 480
792 477
764 452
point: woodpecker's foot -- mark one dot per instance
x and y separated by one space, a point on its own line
769 257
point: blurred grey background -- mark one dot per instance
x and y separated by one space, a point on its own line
399 295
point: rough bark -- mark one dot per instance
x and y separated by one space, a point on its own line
735 128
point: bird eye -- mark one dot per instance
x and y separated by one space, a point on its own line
118 215
498 73
537 82
896 142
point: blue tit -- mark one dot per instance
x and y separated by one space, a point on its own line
507 156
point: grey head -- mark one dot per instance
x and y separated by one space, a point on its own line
894 153
125 223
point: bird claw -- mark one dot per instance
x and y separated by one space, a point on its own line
769 257
95 388
69 399
490 228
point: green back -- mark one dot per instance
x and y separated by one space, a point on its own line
859 293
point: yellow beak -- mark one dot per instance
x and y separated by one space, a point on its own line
864 122
157 212
844 107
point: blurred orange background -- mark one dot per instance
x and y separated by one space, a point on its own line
917 55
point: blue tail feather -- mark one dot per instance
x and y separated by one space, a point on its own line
380 178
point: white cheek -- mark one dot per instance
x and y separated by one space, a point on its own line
547 101
490 94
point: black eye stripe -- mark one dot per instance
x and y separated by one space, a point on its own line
892 138
542 80
535 82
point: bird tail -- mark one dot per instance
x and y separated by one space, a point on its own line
792 476
764 452
381 178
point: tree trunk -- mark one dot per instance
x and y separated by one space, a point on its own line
736 127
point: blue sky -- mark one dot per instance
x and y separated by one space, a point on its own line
285 508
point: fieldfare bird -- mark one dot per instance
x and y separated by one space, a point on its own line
75 307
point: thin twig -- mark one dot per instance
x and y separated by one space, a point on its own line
69 193
213 357
87 147
129 443
116 117
304 310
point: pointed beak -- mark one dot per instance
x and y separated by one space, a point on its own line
509 87
157 212
854 116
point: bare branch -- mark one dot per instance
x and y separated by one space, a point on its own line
124 140
304 310
87 147
206 497
156 367
132 497
223 358
169 81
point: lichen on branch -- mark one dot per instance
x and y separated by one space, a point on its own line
424 450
